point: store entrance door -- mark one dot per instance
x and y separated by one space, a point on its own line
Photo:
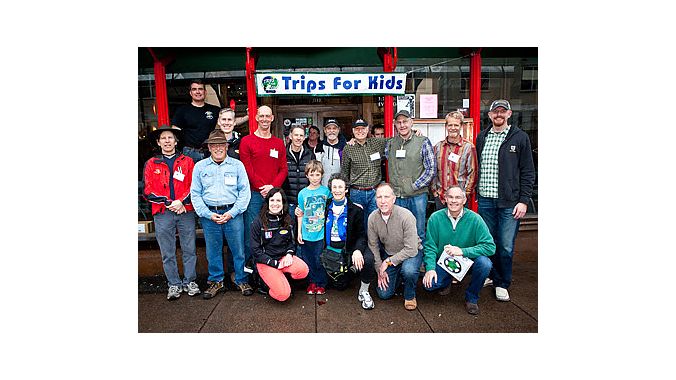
316 115
291 119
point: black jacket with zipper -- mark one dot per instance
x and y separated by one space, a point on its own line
516 171
296 179
271 245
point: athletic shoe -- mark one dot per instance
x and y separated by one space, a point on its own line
319 290
174 293
488 282
192 289
311 289
501 294
366 300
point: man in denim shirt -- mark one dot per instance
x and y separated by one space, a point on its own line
220 193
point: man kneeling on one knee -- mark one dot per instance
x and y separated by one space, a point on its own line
466 234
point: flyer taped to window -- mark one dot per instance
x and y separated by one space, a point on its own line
456 266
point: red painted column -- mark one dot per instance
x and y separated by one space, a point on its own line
161 99
389 64
251 90
475 102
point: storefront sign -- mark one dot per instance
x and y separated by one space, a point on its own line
309 84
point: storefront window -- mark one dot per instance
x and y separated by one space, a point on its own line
447 79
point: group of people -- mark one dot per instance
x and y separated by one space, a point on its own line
322 211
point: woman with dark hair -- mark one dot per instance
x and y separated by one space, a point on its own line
273 246
345 242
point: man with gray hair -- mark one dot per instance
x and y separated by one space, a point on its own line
395 228
456 161
458 231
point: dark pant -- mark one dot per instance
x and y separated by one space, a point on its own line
310 252
503 228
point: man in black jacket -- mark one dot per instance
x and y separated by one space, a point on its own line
345 235
506 179
297 156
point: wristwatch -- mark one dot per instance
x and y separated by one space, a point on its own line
389 262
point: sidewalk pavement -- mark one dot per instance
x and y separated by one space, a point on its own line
340 312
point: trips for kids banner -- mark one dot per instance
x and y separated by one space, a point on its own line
310 84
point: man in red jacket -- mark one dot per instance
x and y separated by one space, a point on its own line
167 178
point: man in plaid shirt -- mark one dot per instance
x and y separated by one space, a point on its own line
506 179
456 162
360 164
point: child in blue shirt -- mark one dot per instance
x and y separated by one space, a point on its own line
311 219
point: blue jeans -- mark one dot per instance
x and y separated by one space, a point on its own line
250 215
310 252
366 199
418 206
503 228
410 271
233 231
166 225
195 154
479 271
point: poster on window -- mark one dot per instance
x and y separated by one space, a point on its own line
428 106
406 102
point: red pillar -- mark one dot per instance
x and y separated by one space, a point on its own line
251 90
389 64
475 102
161 99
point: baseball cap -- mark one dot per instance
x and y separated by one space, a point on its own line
330 121
360 123
500 103
402 112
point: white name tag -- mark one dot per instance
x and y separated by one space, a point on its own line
375 156
454 157
230 180
274 153
178 175
401 153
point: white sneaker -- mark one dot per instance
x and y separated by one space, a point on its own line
174 292
366 300
192 289
488 282
501 294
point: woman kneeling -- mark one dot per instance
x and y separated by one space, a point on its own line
273 246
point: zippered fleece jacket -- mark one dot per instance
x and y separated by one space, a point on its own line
471 234
268 247
156 177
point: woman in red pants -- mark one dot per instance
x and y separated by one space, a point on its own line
273 246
